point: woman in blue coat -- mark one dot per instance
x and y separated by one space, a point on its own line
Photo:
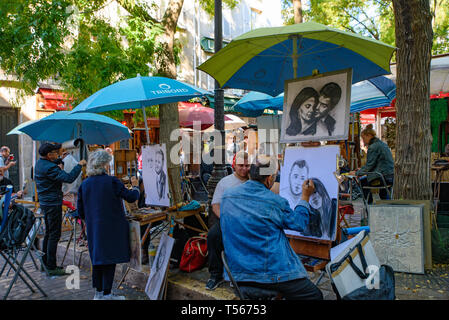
100 205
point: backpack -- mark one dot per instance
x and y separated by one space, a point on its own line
20 222
194 254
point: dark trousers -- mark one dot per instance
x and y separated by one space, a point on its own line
383 194
103 277
214 248
53 224
298 289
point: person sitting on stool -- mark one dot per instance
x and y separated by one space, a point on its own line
253 220
378 159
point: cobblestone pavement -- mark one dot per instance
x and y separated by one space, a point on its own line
55 287
433 285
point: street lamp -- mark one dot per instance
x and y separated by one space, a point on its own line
219 168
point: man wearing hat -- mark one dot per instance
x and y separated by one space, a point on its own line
49 178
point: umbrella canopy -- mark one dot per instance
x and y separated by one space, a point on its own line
373 93
439 75
262 59
138 92
17 129
254 103
233 123
63 126
190 113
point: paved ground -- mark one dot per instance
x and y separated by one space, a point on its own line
55 287
433 285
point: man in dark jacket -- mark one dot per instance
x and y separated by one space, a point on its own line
49 178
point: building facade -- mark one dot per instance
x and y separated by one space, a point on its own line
196 35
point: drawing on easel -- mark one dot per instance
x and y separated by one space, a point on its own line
135 261
159 268
319 165
317 107
154 174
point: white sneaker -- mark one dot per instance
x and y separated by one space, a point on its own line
112 296
98 295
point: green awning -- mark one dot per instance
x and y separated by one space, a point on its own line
208 44
228 103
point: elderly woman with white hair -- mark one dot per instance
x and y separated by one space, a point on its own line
100 204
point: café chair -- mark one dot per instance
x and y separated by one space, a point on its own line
383 185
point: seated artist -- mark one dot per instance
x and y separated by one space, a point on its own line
241 167
378 159
253 220
5 182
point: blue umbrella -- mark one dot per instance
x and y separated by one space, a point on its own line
373 93
62 126
254 103
139 92
262 59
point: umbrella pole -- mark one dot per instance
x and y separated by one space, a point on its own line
146 125
295 55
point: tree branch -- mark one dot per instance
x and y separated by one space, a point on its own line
370 31
137 11
172 13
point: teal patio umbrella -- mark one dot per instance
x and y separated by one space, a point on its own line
138 93
63 126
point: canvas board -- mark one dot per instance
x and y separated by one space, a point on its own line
159 267
317 107
268 128
396 232
154 174
318 164
135 261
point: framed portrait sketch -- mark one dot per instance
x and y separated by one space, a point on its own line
319 165
159 268
154 174
317 107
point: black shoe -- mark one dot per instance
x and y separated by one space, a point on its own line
58 271
212 284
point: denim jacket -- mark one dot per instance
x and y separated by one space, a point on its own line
253 220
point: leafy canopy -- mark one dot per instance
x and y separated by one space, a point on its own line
372 18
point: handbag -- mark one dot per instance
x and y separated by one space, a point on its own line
357 275
194 254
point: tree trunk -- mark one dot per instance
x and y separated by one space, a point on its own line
413 22
297 9
168 113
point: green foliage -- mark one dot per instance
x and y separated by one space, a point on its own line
32 34
68 41
99 57
372 18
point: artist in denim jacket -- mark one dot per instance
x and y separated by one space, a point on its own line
253 220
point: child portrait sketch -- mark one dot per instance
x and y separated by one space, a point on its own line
154 174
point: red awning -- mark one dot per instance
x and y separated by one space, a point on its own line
55 100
